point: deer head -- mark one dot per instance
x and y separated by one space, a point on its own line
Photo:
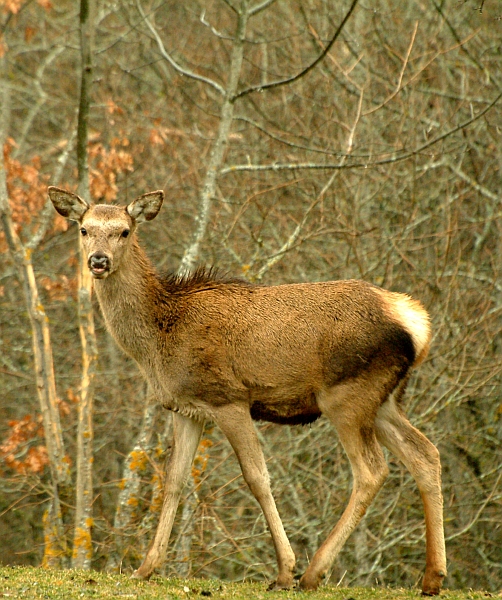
107 231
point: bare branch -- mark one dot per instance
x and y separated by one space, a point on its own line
400 85
229 4
42 97
361 165
259 7
260 88
205 22
464 48
401 74
170 59
288 143
476 517
479 188
291 241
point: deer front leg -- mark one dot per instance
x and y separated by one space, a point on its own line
186 437
237 425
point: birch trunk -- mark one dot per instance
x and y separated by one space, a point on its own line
191 254
82 541
55 543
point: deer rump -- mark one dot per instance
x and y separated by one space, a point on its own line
276 348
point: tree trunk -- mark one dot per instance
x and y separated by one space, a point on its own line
55 543
218 150
82 542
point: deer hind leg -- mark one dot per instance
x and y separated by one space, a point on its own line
186 437
369 469
421 458
237 425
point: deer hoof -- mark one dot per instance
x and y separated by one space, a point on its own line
310 582
431 591
432 583
138 574
280 584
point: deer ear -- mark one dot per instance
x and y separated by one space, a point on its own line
68 204
146 207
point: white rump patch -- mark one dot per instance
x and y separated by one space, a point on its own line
411 314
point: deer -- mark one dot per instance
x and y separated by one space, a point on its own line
223 350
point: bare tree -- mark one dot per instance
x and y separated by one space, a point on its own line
82 542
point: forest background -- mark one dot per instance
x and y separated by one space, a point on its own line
295 141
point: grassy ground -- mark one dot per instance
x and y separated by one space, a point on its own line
34 584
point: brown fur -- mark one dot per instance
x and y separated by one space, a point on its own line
217 348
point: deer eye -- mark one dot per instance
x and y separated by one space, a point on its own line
125 233
83 231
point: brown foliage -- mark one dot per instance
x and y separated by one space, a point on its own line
14 6
106 164
27 191
60 289
17 451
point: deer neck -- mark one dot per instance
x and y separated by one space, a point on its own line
127 298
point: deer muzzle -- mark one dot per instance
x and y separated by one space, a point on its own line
99 265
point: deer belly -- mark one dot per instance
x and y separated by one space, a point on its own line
299 410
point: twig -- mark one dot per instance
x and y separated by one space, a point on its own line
479 188
259 7
171 61
291 241
303 72
478 514
401 74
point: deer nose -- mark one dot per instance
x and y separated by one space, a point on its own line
99 264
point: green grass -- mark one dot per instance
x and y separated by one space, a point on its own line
33 584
